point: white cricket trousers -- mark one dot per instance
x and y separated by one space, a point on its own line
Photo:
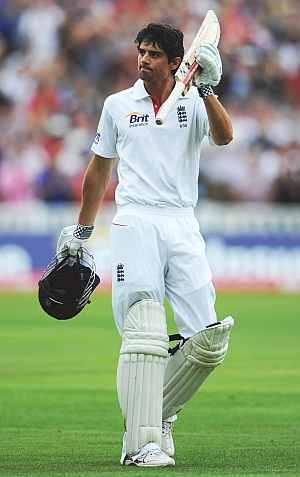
158 253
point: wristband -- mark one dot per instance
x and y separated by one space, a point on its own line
83 232
205 90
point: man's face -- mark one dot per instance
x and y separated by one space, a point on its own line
153 64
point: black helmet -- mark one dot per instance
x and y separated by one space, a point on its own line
67 284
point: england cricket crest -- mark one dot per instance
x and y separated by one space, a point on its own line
120 272
182 116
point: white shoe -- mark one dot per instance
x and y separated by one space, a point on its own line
123 453
167 443
149 455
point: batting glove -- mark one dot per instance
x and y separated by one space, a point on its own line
73 238
208 58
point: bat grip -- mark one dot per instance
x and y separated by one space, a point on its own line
191 73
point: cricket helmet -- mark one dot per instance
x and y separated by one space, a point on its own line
67 284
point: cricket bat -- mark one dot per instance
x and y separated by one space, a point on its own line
209 32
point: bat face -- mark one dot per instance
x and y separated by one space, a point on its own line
209 32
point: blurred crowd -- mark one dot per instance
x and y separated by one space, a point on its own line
59 59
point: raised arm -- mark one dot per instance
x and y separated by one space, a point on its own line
219 121
209 60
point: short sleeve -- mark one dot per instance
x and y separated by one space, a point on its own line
106 137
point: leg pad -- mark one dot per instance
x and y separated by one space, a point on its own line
142 362
188 368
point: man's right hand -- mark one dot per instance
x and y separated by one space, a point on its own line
73 238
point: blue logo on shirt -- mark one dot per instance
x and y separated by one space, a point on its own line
97 138
138 119
182 116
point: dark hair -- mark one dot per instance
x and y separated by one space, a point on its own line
168 38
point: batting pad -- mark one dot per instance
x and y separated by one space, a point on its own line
141 368
191 364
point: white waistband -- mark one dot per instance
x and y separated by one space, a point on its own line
139 209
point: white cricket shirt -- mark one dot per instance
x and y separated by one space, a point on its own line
158 165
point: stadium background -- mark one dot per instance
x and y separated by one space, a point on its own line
58 62
59 414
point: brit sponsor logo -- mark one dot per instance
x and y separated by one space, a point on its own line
138 119
182 116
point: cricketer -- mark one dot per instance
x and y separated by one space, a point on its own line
157 248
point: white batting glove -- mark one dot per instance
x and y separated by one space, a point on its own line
208 58
73 238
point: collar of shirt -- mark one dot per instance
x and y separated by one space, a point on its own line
139 91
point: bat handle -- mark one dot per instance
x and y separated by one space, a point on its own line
191 73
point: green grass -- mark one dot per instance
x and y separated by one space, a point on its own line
59 414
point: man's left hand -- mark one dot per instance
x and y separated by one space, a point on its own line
73 238
209 60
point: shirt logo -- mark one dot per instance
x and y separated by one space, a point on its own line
120 272
138 119
97 138
182 116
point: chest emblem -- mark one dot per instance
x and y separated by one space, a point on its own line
182 116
